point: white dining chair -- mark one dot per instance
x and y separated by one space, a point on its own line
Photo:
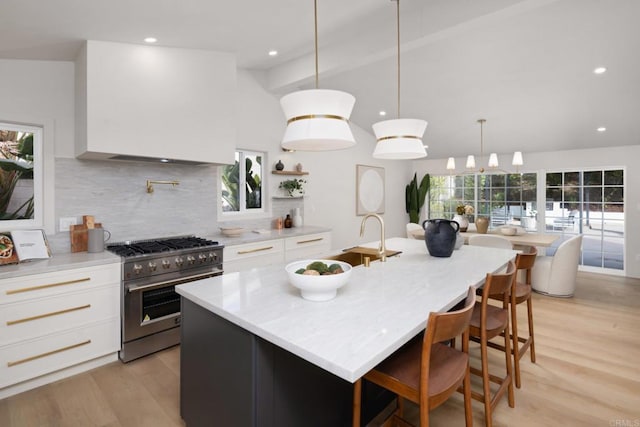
556 275
490 240
413 230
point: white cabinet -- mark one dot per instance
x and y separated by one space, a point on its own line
308 246
155 102
53 321
260 254
250 255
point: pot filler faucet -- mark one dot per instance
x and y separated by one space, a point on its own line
382 250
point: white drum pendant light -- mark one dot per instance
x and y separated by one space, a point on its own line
317 119
399 138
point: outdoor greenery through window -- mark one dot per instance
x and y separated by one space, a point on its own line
242 183
591 203
16 172
503 198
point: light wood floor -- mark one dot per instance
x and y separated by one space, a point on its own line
587 374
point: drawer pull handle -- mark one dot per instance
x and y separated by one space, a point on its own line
49 353
50 285
255 250
53 313
302 242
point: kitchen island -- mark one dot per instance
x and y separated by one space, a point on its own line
255 353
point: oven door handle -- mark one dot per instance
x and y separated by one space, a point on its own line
134 288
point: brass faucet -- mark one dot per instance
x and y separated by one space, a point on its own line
382 250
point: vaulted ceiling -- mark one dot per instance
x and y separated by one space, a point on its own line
526 66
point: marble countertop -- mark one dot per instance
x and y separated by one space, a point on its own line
58 262
250 237
380 309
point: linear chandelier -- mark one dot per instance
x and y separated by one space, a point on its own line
317 119
399 138
493 164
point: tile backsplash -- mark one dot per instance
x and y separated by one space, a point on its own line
114 192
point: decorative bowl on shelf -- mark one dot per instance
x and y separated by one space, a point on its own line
231 231
318 287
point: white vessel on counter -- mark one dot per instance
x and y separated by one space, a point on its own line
297 218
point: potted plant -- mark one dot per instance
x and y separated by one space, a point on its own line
293 187
461 216
415 195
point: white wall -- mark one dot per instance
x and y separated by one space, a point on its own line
40 89
619 157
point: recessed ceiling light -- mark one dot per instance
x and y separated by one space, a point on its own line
164 160
382 113
150 40
601 129
599 70
273 53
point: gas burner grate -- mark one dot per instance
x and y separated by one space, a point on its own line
145 247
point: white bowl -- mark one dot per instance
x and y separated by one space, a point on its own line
509 231
318 288
232 231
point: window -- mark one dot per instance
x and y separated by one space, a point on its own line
500 197
591 203
21 170
241 184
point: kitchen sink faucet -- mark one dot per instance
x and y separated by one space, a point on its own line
382 250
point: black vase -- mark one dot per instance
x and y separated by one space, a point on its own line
279 166
440 236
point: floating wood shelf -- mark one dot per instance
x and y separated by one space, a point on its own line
287 197
289 173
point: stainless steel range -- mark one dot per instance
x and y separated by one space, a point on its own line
150 271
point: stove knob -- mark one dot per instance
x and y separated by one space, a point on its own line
202 258
191 259
152 266
137 268
179 261
213 256
166 264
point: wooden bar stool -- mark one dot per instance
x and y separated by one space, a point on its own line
487 322
524 262
426 371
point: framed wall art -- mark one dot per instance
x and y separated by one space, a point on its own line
369 189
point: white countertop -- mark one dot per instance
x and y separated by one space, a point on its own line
250 237
58 262
380 309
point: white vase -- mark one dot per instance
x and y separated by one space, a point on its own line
462 221
297 218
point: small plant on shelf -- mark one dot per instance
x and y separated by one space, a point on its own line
293 187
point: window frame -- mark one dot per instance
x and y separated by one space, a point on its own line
42 166
580 204
470 193
244 213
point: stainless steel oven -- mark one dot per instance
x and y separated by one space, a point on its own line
150 271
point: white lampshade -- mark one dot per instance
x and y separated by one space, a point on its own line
517 159
493 160
471 162
317 120
399 139
451 164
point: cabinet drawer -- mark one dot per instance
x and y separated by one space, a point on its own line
252 250
48 284
309 246
32 358
29 319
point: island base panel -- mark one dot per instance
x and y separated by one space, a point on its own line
230 376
